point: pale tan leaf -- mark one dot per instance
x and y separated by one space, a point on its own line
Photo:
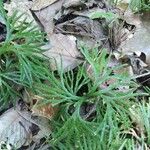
63 50
14 129
46 16
141 38
16 126
40 4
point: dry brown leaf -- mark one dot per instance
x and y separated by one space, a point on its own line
17 126
40 4
63 50
14 128
44 110
141 38
63 33
84 29
132 18
37 107
46 16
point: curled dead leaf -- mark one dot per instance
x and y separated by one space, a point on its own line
136 44
44 110
37 106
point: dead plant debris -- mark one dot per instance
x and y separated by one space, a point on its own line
114 36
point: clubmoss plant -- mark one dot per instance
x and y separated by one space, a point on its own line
21 60
92 114
140 5
97 117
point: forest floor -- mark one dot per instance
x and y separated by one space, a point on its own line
74 75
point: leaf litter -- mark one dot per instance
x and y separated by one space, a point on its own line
18 126
67 20
67 24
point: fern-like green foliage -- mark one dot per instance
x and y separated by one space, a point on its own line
75 129
91 115
21 59
143 112
140 5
